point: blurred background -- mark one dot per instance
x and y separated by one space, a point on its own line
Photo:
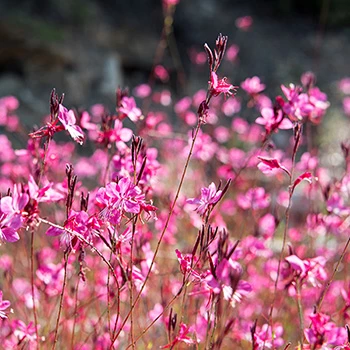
87 48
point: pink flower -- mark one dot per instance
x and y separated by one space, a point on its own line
161 73
253 85
181 337
186 263
232 53
269 164
217 87
244 23
120 197
344 86
23 331
128 109
324 332
4 304
310 270
78 222
346 106
11 209
68 120
209 197
226 279
255 198
273 120
142 91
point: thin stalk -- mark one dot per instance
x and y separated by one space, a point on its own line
131 284
75 312
285 231
33 290
109 301
163 231
300 312
325 290
66 254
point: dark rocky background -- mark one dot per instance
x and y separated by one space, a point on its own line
86 48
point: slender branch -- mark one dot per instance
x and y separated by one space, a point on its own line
33 289
163 231
75 312
66 254
300 312
325 290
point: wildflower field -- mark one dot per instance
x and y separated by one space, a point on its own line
121 229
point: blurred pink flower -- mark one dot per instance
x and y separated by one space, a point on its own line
209 197
244 23
128 109
253 85
4 304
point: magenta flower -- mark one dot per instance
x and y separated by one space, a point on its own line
217 87
78 222
128 109
4 304
255 198
324 332
24 331
68 120
209 197
186 263
226 279
253 85
266 165
273 120
266 338
120 197
11 209
244 23
310 270
182 337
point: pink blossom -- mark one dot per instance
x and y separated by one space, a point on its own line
255 198
78 222
186 264
119 197
273 120
128 109
209 197
11 209
344 85
182 337
4 304
253 85
268 164
142 90
231 107
23 331
267 225
227 274
68 120
183 105
305 176
310 270
161 73
267 338
244 23
324 332
346 106
221 86
232 53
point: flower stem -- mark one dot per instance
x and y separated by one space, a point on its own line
163 231
66 254
33 290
